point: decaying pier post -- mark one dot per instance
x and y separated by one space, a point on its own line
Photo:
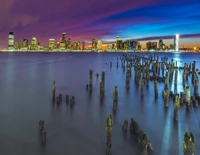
90 79
115 98
109 124
156 89
54 91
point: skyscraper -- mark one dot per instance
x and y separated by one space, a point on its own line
176 42
11 41
51 44
63 41
83 45
99 44
161 44
34 43
94 44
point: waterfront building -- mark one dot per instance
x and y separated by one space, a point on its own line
94 44
17 46
171 46
11 41
51 44
161 45
131 46
176 42
83 45
99 44
108 47
78 45
63 41
137 46
113 47
127 45
34 43
74 46
58 45
151 46
119 44
25 43
69 45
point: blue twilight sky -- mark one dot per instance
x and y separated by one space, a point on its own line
142 20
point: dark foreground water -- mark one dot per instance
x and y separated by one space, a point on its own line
25 98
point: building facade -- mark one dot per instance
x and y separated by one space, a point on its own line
151 46
176 42
11 41
51 44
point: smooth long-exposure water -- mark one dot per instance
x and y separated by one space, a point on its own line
26 97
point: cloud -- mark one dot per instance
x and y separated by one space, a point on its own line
85 19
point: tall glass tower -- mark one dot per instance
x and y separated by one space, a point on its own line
176 42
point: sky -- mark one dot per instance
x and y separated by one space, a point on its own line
142 20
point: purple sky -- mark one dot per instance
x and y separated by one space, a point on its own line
142 20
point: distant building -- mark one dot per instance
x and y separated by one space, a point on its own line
58 45
34 43
108 47
25 43
74 46
127 45
69 45
78 45
94 44
176 42
11 41
99 44
151 46
171 46
113 46
17 46
131 46
51 44
119 44
161 45
63 41
136 46
83 45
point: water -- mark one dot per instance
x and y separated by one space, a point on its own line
25 98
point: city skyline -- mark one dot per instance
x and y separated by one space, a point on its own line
131 20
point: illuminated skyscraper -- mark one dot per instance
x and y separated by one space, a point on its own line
78 45
94 44
127 45
118 43
161 44
176 42
83 45
34 43
51 44
69 46
11 41
99 45
63 41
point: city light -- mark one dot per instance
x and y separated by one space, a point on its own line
96 45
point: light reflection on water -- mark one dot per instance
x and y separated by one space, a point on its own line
27 91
